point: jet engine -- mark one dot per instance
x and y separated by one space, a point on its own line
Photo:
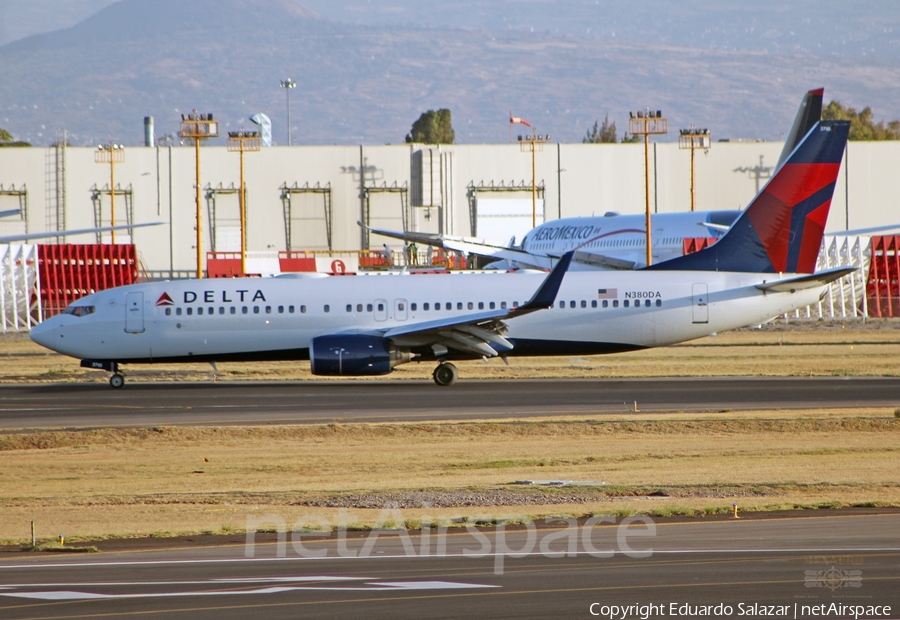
354 355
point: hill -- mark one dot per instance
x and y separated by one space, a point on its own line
367 82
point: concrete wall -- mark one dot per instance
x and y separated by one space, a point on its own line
580 179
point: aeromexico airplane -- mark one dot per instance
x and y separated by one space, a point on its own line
368 324
611 241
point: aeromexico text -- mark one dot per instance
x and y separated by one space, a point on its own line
549 233
209 297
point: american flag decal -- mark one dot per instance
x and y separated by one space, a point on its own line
607 293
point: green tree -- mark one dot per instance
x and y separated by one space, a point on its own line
862 124
601 134
6 139
433 127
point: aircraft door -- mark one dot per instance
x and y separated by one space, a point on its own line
400 309
701 303
134 313
381 310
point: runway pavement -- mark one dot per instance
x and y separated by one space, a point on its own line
750 568
235 403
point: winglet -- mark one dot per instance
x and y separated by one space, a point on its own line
545 296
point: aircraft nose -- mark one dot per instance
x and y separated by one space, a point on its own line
44 333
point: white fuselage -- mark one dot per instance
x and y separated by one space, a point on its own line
276 318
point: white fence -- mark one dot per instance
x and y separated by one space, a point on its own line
845 298
20 299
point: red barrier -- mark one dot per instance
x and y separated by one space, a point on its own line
69 272
883 283
291 261
223 265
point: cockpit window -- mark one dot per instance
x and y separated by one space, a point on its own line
79 310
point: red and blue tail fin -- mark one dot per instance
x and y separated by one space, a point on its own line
781 231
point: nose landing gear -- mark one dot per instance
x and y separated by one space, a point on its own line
117 379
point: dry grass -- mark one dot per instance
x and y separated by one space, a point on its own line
145 482
137 482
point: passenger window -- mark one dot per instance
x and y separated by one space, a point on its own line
255 309
302 309
583 304
380 308
268 309
290 309
190 311
199 310
615 303
168 312
562 304
627 303
470 306
349 307
368 307
177 311
425 306
280 309
503 305
658 303
413 307
594 303
221 309
244 310
401 306
359 307
233 310
646 303
327 308
459 305
572 304
606 303
492 305
481 305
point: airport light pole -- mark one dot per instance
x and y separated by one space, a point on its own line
111 154
243 142
693 139
288 85
646 123
198 127
533 145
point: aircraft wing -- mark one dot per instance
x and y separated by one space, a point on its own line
470 245
66 233
799 283
481 332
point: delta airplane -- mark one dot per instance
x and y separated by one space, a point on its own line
368 324
611 241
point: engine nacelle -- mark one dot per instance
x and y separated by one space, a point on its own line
354 356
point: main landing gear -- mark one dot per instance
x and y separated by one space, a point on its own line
445 374
117 380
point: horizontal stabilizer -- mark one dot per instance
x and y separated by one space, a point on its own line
800 283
